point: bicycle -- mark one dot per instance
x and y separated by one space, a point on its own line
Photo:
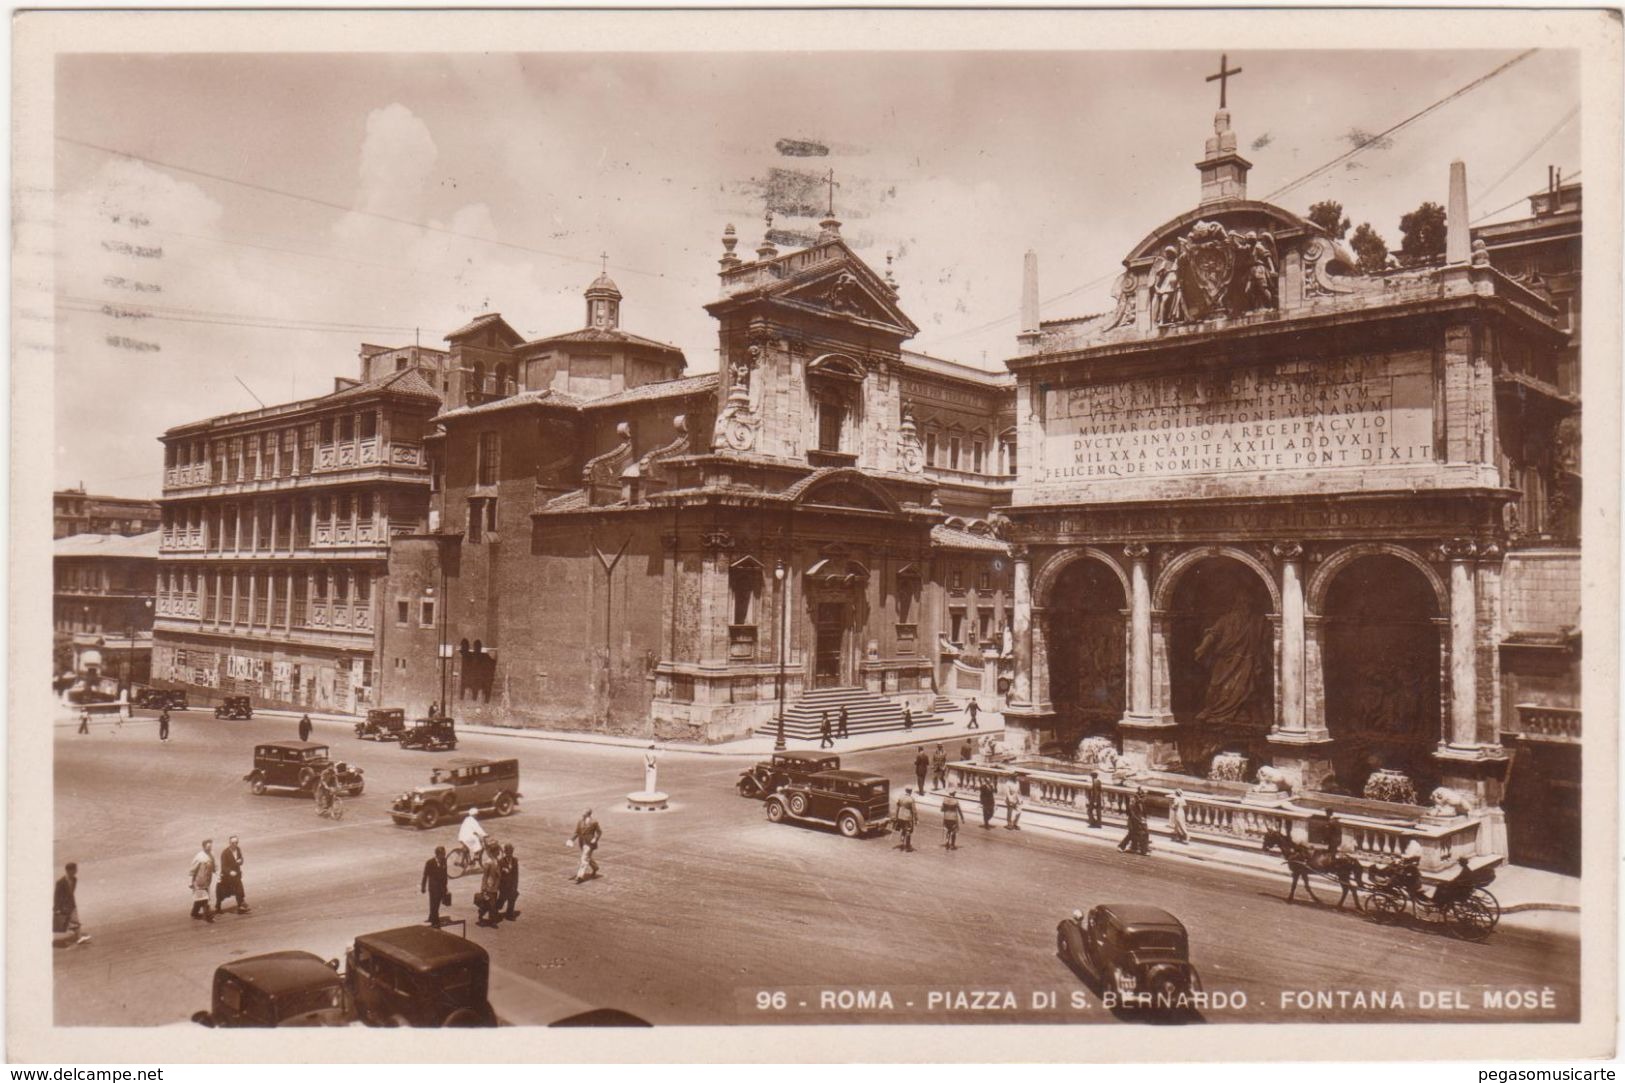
333 809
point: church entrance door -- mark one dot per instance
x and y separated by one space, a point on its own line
1381 664
829 651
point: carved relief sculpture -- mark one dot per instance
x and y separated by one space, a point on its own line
910 455
1214 272
1235 648
1126 290
737 424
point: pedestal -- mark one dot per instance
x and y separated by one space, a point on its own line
1304 758
647 801
1152 741
1479 771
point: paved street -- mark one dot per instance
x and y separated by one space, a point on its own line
702 911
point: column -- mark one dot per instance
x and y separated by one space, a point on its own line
1463 645
1292 716
1139 703
1021 629
287 601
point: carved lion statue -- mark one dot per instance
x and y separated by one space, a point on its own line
1097 752
1273 780
1451 802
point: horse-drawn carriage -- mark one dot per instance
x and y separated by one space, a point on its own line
1463 904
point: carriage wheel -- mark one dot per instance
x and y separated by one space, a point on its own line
1385 907
1488 902
1471 919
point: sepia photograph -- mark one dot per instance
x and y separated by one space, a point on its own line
811 523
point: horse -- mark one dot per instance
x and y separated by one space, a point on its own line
1304 862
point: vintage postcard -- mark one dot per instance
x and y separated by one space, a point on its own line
814 535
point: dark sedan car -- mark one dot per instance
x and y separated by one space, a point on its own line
855 802
769 776
299 765
1139 955
278 989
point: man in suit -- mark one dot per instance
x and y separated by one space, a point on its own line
939 767
840 723
967 751
65 908
988 801
231 878
490 896
971 709
510 881
1096 801
304 727
163 724
922 764
200 877
825 741
434 884
586 838
907 815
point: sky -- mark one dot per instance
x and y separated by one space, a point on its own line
239 224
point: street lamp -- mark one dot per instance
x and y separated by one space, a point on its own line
784 628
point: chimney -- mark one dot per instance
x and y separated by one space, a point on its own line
1028 338
1457 243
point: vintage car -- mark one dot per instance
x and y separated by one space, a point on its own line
431 735
1139 955
382 724
854 801
452 791
769 775
279 989
297 765
172 700
419 977
237 707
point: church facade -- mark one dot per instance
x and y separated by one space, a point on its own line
1266 508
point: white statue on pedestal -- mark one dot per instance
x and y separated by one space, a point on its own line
650 769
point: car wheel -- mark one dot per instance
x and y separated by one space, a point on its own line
745 787
850 825
464 1017
259 786
798 804
1069 942
307 778
504 804
775 810
429 816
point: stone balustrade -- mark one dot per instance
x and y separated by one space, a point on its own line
1548 723
1226 820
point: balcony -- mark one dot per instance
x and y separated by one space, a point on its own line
1538 722
330 461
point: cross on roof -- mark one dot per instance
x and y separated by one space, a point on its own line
831 180
603 262
1223 76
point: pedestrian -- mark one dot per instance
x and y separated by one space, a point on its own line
1096 800
922 764
971 709
1139 831
1331 833
988 803
586 838
490 894
824 740
163 725
434 710
65 908
84 721
1012 804
908 718
231 878
200 876
907 815
939 768
967 751
951 819
840 723
1176 817
510 881
433 884
304 727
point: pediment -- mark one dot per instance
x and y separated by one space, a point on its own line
843 292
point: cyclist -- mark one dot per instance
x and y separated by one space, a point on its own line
327 788
472 838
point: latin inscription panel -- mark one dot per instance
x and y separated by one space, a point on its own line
1307 416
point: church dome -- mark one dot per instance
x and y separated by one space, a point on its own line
603 284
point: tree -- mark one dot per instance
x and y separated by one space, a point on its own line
1328 215
1370 250
1423 231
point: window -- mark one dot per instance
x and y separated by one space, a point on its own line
301 587
327 430
908 593
321 585
346 428
426 614
288 440
984 624
344 507
957 619
956 580
930 449
978 455
745 586
363 504
307 450
482 519
400 364
363 588
403 613
829 426
953 453
984 580
489 449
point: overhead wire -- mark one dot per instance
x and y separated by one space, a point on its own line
1532 151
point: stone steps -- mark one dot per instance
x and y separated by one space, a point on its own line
865 713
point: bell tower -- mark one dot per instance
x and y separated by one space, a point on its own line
603 301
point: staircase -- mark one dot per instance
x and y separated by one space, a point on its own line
865 713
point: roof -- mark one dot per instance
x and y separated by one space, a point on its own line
662 389
549 396
403 382
279 972
819 756
133 547
422 948
993 378
489 319
1141 914
300 746
603 282
852 776
606 335
947 537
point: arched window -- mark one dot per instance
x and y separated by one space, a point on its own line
835 385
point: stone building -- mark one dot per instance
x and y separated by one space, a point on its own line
74 511
1265 511
101 605
275 535
618 546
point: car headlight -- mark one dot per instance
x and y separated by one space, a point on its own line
1126 981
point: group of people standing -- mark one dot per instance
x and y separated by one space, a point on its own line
935 765
499 870
200 878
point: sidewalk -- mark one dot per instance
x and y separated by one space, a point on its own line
754 747
1530 898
